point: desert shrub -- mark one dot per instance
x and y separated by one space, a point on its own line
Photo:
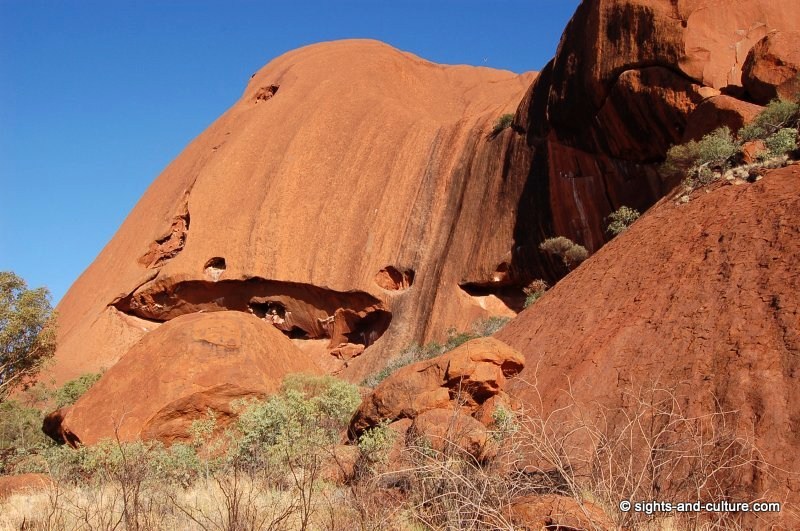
375 443
505 423
571 253
503 122
622 219
782 142
534 291
696 159
70 392
308 414
779 114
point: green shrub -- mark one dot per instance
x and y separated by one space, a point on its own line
309 413
27 332
504 422
622 219
70 392
570 252
21 436
375 443
503 122
782 142
779 114
696 158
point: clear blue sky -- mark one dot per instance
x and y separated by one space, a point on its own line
97 97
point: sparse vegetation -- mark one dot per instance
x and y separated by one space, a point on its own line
534 291
267 474
571 253
717 154
622 219
781 142
415 352
503 122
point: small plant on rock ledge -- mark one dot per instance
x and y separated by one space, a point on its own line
503 122
534 291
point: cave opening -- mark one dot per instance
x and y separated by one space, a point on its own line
370 328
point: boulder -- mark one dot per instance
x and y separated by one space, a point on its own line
719 111
450 431
466 377
772 68
175 375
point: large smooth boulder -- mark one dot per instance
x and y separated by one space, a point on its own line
772 68
175 375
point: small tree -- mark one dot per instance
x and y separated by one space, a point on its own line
27 331
622 219
779 114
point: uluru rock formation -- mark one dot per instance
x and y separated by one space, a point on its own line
358 198
175 375
352 189
701 300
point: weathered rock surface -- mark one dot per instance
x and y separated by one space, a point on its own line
352 189
625 85
173 376
465 378
701 298
719 111
772 68
450 431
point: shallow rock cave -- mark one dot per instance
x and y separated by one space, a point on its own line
301 311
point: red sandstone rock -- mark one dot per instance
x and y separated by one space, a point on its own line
341 160
719 111
174 375
753 150
772 68
467 377
450 430
622 88
19 484
702 297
